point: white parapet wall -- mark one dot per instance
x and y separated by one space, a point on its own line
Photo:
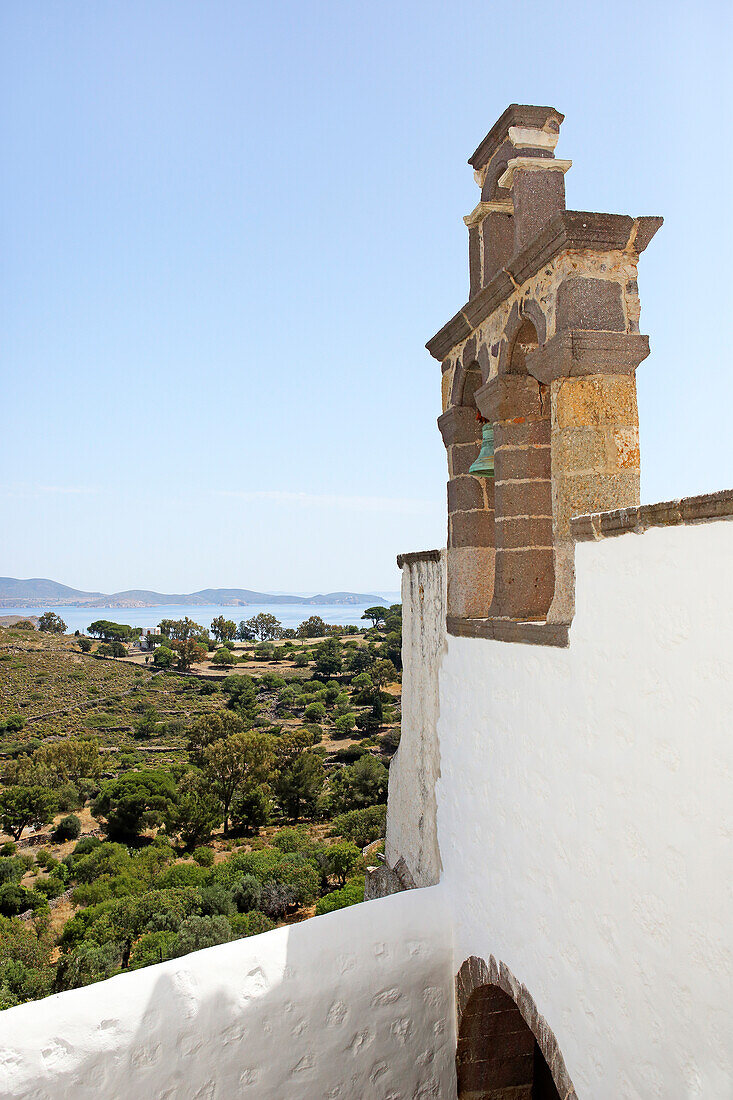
585 815
411 819
356 1004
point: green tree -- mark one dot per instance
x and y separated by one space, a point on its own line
189 651
364 783
85 644
52 623
343 860
224 630
314 712
210 728
118 649
197 812
314 627
22 807
164 657
242 759
265 626
376 614
103 628
242 696
135 801
300 786
245 633
329 657
180 630
70 760
361 826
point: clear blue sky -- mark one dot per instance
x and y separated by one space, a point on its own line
229 229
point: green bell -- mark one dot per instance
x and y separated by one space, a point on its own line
484 464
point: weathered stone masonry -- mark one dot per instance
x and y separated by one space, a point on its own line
546 349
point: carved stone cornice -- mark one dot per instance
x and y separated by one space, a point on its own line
570 230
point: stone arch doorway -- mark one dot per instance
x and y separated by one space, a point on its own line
505 1049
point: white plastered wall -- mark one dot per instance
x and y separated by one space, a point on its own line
411 818
358 1003
585 815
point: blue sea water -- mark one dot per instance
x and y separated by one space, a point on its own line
290 615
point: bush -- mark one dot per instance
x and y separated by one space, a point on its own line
247 894
15 899
68 828
216 900
8 848
164 657
204 857
196 933
50 887
86 845
277 898
68 797
151 948
314 712
300 660
350 894
361 826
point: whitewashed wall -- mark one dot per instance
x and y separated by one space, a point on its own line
358 1003
585 815
411 818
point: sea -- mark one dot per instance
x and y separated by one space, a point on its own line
289 615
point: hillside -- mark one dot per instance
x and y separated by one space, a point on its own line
32 592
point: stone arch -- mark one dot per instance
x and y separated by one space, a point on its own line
522 316
505 1047
466 381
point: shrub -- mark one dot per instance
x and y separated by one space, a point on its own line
247 894
277 898
342 860
15 899
151 948
350 894
68 828
250 924
197 933
361 826
204 857
164 657
86 845
8 848
217 899
314 712
51 886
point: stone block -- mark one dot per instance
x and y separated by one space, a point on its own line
599 399
461 457
528 434
514 533
471 529
524 462
574 353
470 581
584 303
580 450
459 425
524 582
522 498
465 494
538 197
583 494
510 397
498 244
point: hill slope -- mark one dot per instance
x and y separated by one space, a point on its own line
36 591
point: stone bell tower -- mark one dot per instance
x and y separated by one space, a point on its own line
543 355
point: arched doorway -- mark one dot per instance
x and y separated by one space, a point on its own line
504 1052
498 1056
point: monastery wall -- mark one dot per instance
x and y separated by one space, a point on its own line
584 808
356 1003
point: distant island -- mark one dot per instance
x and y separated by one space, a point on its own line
39 590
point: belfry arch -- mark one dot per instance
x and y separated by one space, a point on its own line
505 1049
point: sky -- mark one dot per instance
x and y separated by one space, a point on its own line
228 229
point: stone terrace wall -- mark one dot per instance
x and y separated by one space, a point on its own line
355 1004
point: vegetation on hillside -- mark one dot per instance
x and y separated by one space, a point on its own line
156 806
